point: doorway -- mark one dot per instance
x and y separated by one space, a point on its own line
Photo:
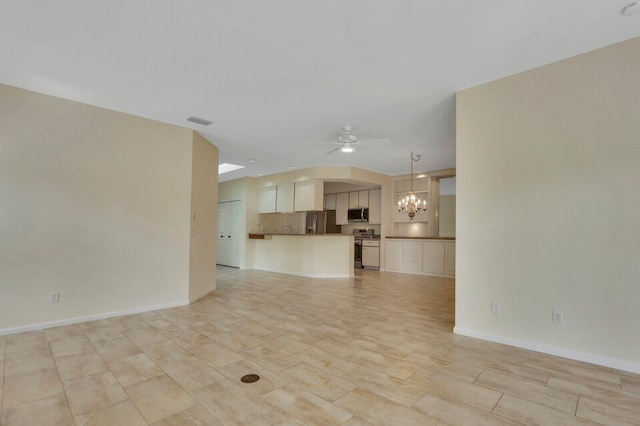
229 228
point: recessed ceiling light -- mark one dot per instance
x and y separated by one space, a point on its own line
251 160
292 167
201 121
259 174
226 167
346 149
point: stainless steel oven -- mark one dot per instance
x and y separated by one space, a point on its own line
358 235
357 252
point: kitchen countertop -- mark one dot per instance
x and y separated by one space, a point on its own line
422 238
260 236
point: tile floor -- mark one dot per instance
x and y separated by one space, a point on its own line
377 349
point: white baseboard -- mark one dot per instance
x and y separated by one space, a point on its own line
618 364
76 320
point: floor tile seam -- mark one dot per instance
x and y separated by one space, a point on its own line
109 405
587 381
472 406
596 390
529 383
64 391
36 400
124 388
521 396
626 409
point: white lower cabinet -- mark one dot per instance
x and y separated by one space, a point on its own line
450 258
413 256
393 253
371 254
433 257
421 256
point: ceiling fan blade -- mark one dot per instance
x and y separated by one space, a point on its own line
368 141
333 150
332 142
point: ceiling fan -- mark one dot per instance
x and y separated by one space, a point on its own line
348 142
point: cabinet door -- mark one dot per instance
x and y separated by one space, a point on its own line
284 198
371 256
308 195
433 257
375 217
330 202
353 200
450 258
393 255
342 205
413 256
363 199
267 200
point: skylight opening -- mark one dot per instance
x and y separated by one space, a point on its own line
226 167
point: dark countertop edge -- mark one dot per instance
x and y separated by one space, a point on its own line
256 234
423 238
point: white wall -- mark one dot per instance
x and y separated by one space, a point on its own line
548 163
95 205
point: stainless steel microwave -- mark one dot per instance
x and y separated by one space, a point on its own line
358 215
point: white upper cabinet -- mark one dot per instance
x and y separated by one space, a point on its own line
359 199
330 202
353 200
284 198
363 199
342 205
375 201
267 200
309 195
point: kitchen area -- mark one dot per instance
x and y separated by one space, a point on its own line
352 212
308 224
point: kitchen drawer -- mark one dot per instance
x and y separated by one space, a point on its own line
371 243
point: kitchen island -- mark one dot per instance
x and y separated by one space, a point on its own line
314 256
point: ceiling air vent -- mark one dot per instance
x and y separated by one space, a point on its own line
201 121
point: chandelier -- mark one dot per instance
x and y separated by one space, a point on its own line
410 204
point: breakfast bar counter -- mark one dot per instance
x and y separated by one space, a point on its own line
314 256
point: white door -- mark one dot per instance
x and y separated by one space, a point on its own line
229 228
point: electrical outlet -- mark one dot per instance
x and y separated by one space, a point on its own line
495 308
54 297
558 317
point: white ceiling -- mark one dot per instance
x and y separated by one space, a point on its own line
274 74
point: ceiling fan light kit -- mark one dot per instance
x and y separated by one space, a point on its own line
348 142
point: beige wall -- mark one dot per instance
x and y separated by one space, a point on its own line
548 207
95 205
204 217
447 216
